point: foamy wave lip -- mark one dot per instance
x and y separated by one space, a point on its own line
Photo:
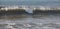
10 7
30 7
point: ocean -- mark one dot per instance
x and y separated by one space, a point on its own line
27 21
30 2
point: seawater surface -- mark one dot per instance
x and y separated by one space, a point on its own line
30 2
30 22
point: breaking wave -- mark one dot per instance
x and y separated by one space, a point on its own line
28 9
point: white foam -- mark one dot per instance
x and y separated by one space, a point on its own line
30 9
9 25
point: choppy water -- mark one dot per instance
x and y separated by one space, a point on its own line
30 22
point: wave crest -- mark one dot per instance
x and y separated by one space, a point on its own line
31 7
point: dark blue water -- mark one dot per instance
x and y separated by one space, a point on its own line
31 2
